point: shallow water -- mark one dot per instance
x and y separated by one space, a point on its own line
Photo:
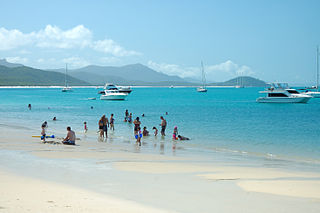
221 120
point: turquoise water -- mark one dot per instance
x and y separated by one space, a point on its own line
223 119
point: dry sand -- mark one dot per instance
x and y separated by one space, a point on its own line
22 194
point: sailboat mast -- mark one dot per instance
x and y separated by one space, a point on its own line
203 76
317 68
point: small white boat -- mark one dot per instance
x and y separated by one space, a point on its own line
111 92
203 87
281 93
125 89
66 88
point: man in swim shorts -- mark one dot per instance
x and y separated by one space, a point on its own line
71 137
163 126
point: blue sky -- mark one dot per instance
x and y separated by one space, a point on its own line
271 40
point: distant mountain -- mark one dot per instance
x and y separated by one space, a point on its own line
126 75
245 81
27 76
4 62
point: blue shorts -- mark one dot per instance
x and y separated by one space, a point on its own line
68 142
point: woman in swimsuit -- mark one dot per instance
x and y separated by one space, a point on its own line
136 125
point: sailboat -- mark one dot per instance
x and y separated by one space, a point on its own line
66 88
203 87
315 94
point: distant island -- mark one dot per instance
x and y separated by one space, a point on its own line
12 74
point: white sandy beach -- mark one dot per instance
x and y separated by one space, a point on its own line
104 177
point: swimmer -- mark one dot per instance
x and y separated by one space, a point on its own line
183 138
29 106
54 119
91 107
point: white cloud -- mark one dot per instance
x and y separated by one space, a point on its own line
217 72
75 62
111 47
54 37
17 60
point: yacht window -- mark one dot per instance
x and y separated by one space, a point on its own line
277 95
293 91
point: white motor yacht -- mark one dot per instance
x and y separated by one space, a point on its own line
281 93
111 92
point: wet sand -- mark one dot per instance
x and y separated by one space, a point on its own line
105 177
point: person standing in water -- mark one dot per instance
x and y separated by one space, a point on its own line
100 123
136 125
111 122
85 127
29 106
43 132
163 126
126 116
105 125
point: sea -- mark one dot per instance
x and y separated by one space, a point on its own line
224 121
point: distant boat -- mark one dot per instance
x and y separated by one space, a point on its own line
111 92
66 88
126 90
203 87
281 93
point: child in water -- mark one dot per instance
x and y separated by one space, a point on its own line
43 132
145 132
85 127
175 133
138 136
155 131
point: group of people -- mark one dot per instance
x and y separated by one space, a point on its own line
104 124
70 139
137 129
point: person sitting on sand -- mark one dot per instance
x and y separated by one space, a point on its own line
155 131
71 137
145 132
183 138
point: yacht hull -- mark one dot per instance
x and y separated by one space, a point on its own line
313 94
116 97
283 100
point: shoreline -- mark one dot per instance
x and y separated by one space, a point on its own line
101 87
136 175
